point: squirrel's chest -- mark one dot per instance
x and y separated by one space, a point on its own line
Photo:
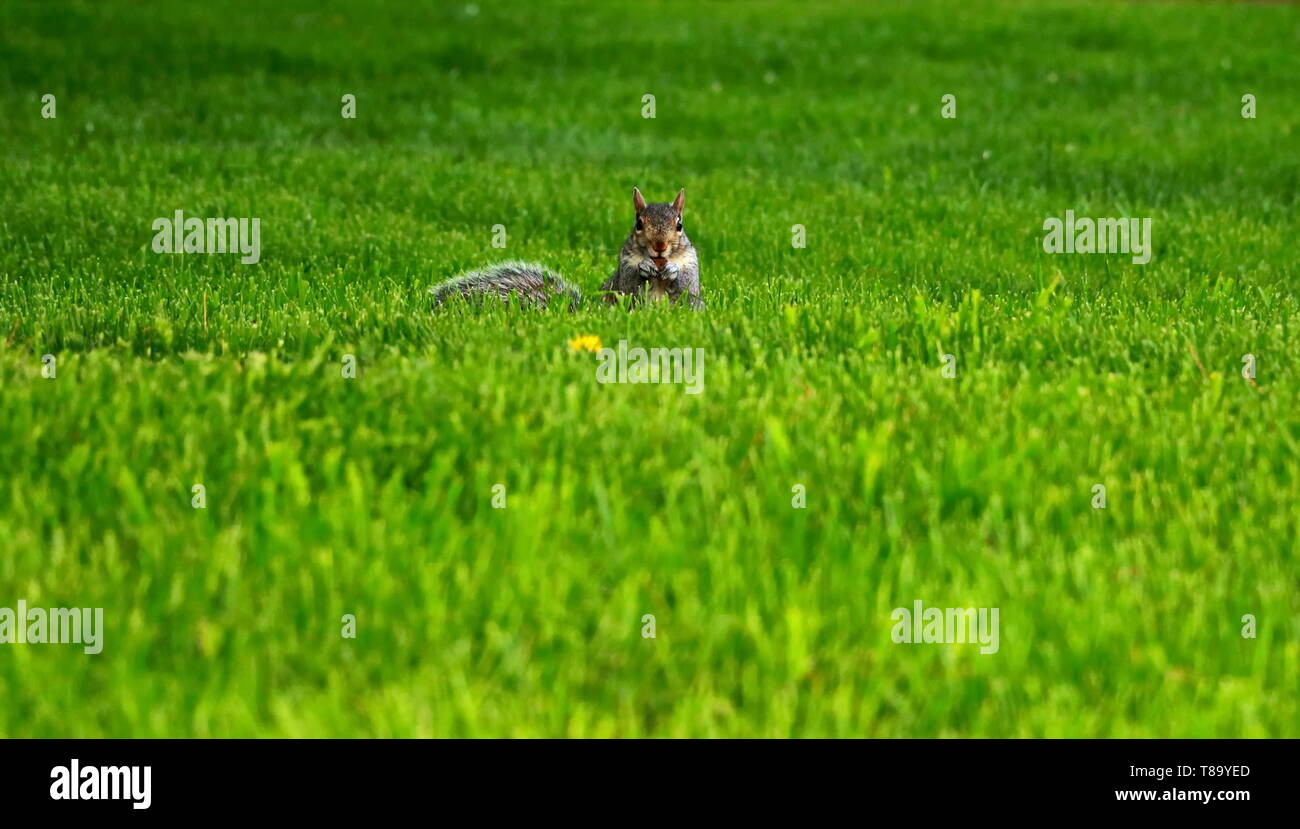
657 289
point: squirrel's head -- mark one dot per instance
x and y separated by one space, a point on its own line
658 228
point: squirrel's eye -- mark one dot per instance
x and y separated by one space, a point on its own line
679 225
640 225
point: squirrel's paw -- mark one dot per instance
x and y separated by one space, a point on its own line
671 270
646 268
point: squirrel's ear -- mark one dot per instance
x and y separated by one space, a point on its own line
638 200
680 201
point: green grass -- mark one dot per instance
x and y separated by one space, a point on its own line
372 496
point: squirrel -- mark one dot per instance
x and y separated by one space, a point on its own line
657 262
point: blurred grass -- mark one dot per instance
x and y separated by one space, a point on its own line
372 496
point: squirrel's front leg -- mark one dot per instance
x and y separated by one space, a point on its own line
646 268
671 271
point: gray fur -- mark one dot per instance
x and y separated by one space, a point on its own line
656 262
532 284
637 275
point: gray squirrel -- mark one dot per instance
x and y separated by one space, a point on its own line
657 262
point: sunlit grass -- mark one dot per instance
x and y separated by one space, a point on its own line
373 496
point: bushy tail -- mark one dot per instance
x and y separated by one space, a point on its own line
532 284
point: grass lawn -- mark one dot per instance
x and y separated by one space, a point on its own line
824 370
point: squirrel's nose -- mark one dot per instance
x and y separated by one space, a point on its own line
660 246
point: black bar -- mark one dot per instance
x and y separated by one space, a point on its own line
337 778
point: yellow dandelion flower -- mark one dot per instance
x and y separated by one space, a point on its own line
585 342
